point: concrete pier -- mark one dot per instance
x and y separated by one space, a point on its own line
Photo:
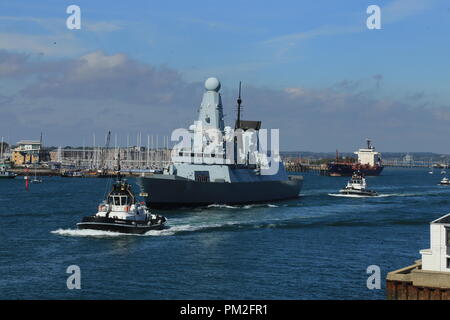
413 283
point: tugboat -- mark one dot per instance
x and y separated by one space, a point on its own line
445 181
121 212
357 187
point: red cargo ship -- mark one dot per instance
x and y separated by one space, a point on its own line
368 163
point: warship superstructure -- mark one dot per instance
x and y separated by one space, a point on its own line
204 176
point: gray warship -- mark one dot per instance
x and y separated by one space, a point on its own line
201 178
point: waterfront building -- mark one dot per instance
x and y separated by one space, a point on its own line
26 152
408 159
428 278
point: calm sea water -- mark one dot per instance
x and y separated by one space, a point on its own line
315 247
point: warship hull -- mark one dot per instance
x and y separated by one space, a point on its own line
168 191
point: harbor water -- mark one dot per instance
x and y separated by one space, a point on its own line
314 247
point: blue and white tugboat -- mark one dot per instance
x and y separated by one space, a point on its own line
357 187
445 182
121 212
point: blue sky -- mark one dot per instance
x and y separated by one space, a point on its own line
314 47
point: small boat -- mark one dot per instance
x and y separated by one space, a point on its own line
72 174
35 179
431 168
4 174
445 181
443 172
121 212
357 186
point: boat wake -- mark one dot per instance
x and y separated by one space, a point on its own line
248 206
177 226
87 233
358 196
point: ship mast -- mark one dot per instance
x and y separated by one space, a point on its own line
119 177
239 101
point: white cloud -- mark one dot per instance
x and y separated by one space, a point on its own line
97 91
52 45
401 9
101 26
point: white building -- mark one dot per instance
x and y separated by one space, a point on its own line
437 258
408 158
368 156
28 146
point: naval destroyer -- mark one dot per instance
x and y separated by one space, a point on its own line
205 177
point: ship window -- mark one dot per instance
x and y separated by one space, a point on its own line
448 263
202 176
126 200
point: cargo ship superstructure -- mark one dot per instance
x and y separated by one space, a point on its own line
203 177
368 163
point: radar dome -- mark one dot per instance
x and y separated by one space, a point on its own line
212 84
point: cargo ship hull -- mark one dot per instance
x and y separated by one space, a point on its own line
347 169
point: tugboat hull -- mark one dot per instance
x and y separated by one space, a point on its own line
358 193
119 225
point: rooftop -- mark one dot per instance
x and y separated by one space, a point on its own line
442 220
21 142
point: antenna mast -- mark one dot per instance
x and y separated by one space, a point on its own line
239 101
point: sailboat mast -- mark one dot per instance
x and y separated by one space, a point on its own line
119 177
40 149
